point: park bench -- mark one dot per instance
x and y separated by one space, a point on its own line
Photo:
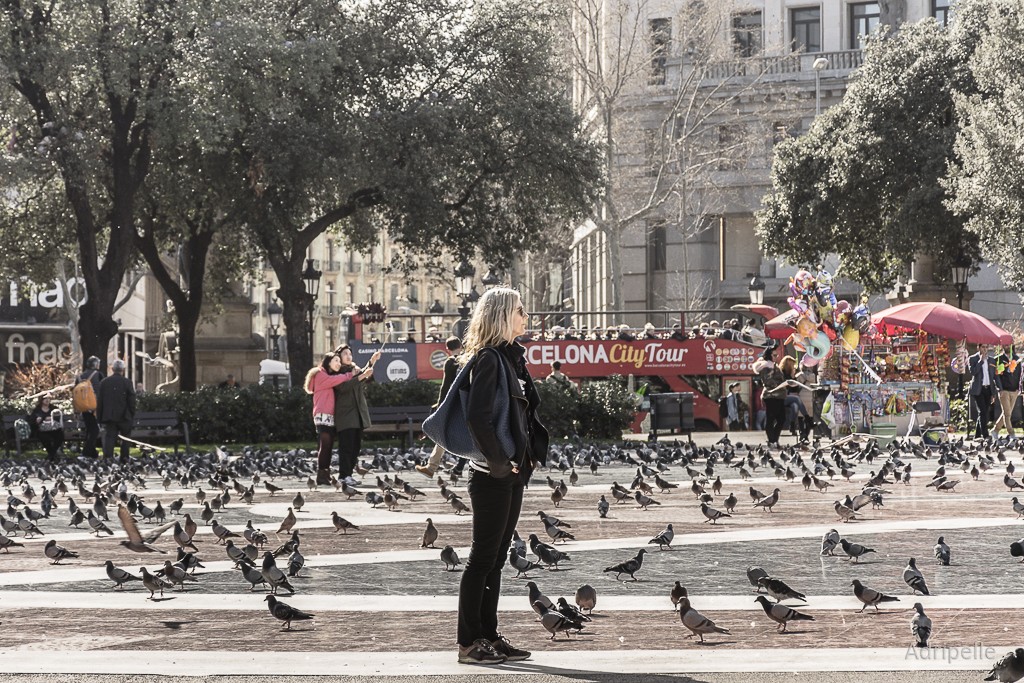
74 430
404 420
147 427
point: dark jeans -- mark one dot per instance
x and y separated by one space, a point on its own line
984 403
325 442
110 434
52 442
794 408
349 443
92 435
775 417
496 505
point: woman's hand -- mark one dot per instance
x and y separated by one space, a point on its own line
375 357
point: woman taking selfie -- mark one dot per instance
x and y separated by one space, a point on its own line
351 414
501 392
320 381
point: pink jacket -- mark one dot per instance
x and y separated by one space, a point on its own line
323 385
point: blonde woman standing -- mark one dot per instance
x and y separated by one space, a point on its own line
501 391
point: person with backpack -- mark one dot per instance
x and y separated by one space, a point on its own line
115 409
83 401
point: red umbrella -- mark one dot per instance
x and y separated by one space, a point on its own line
939 318
781 326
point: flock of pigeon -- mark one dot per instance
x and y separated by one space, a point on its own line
252 472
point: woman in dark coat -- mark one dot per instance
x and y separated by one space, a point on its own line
351 414
48 426
501 416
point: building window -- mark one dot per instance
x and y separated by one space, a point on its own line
350 293
661 40
746 34
369 294
657 247
805 28
863 20
942 11
414 295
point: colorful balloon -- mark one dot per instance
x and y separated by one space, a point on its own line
851 338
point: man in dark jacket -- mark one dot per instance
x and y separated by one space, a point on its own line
115 409
984 388
90 372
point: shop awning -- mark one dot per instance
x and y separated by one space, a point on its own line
939 318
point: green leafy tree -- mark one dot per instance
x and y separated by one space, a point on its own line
442 123
986 179
866 182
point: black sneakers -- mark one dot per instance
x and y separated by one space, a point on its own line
480 652
512 653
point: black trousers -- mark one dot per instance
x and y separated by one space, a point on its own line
110 433
775 417
349 443
325 442
983 401
92 435
496 505
52 442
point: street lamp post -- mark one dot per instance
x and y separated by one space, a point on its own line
274 312
819 64
961 270
490 279
311 278
464 273
436 311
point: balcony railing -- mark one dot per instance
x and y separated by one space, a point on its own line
775 66
352 267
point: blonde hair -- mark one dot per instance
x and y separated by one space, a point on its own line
492 320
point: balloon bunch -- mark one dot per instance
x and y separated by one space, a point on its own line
822 318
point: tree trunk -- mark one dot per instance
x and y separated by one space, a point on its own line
295 303
96 327
188 319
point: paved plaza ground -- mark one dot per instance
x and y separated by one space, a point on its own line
385 607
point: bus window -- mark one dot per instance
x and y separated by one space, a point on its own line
709 385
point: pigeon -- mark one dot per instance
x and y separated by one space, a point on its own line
664 539
1009 668
602 507
547 554
754 576
781 614
119 576
429 534
136 541
1018 507
630 567
295 563
271 488
182 538
829 542
779 589
298 501
189 561
920 626
712 514
869 596
730 503
287 523
98 526
236 554
176 575
556 622
273 574
522 565
153 583
768 502
285 612
693 620
450 558
942 553
844 512
7 543
914 578
556 533
854 550
57 553
252 575
535 596
341 524
643 501
586 598
221 531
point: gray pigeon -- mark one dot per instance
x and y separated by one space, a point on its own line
631 566
222 532
869 596
829 542
781 614
295 563
450 558
341 524
1009 668
285 612
57 553
555 622
942 552
522 565
98 526
779 589
136 541
554 531
176 575
252 575
914 578
644 501
664 539
754 576
854 550
547 554
6 542
768 502
429 534
536 596
119 576
712 514
920 626
844 512
602 507
694 621
273 574
586 598
287 523
153 583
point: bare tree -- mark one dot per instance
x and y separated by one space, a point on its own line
680 117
